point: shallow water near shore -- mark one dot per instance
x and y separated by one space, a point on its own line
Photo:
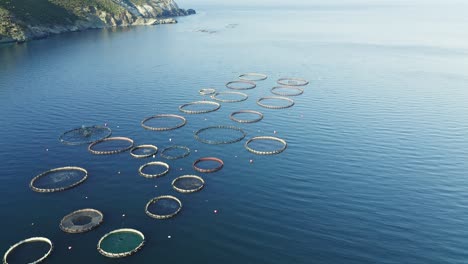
376 165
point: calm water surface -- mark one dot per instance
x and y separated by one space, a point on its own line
376 166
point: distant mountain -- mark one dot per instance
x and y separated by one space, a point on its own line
22 20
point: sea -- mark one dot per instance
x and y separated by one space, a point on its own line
376 164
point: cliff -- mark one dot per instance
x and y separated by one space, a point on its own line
22 20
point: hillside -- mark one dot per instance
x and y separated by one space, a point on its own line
22 20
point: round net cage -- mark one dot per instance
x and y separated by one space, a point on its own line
85 135
216 135
58 179
266 145
241 85
207 91
113 145
292 82
121 243
246 116
208 164
253 77
199 107
31 250
175 152
229 97
287 90
188 183
154 169
81 221
163 207
275 102
143 151
163 122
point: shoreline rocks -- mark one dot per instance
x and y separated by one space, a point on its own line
152 12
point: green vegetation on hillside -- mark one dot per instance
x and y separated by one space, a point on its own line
76 6
55 11
37 11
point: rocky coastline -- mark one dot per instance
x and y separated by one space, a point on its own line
124 13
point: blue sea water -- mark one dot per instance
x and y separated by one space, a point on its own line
376 165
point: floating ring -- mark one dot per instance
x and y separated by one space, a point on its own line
124 253
109 152
85 137
233 118
295 82
298 90
30 240
184 121
260 76
207 91
244 97
188 177
154 163
69 225
290 101
140 156
154 200
215 104
185 154
266 152
251 85
49 190
214 142
219 161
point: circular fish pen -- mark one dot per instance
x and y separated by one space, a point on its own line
58 179
237 116
241 85
253 77
206 91
212 106
188 183
163 122
216 135
163 207
26 242
109 146
292 82
143 151
241 97
121 243
85 135
205 165
175 152
162 169
81 221
287 90
288 102
266 145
